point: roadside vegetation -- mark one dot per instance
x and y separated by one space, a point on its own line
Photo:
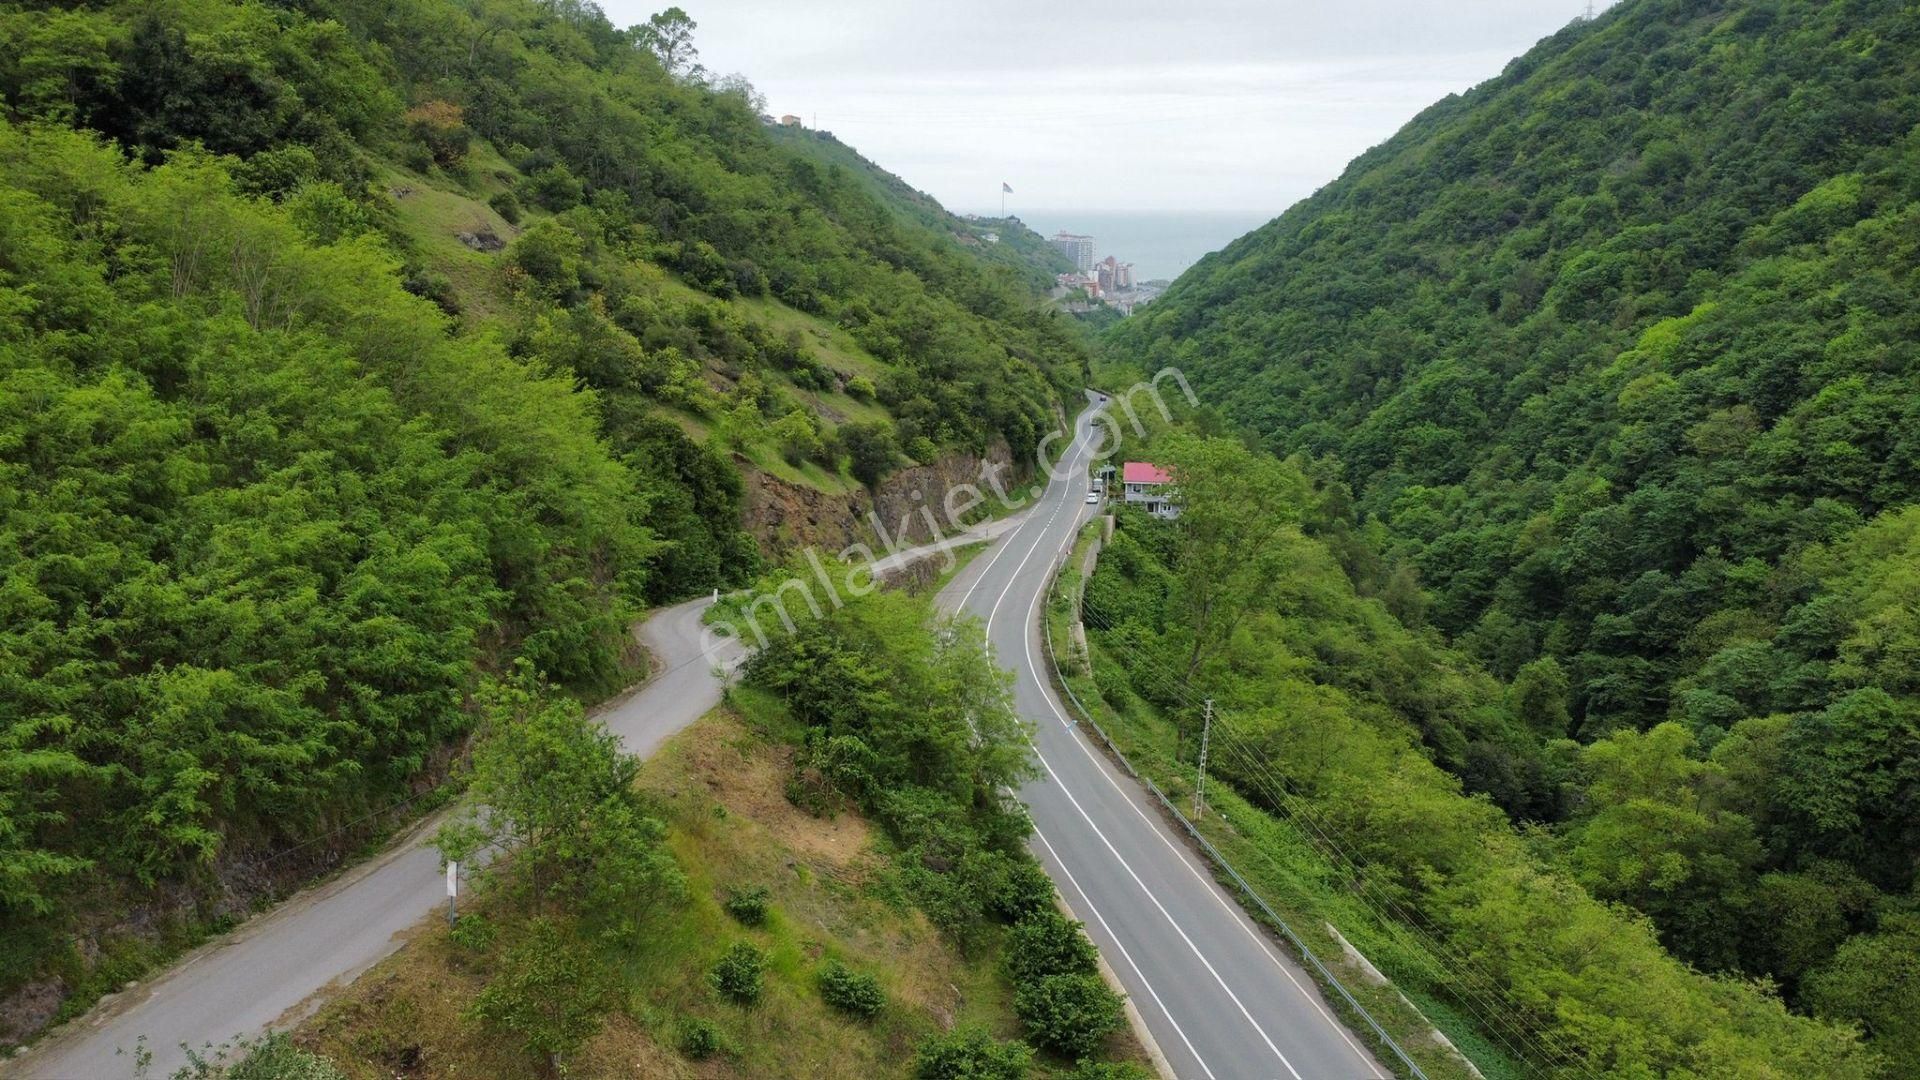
1327 709
1603 382
819 878
354 350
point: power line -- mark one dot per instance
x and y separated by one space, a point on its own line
1294 810
1472 987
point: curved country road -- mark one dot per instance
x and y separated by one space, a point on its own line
1219 1000
263 973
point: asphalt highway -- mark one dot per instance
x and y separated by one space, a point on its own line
1217 997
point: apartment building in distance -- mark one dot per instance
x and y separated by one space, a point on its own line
1077 248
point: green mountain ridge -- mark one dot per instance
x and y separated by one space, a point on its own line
1616 361
349 351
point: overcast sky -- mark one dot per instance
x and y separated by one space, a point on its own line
1121 105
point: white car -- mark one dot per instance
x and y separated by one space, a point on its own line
1093 497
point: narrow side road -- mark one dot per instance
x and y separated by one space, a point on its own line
265 972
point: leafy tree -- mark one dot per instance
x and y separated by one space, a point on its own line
1872 980
668 35
553 787
871 450
549 994
1233 506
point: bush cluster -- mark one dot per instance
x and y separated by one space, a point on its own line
740 973
852 992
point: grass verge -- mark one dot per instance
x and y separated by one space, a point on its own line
1288 873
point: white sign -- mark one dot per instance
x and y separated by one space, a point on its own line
453 879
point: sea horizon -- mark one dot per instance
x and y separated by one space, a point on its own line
1159 243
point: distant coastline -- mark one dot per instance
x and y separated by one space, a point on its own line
1159 243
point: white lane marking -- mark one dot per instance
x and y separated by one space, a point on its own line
1212 888
1087 901
1009 545
1171 921
1027 639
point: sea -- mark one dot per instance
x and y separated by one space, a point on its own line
1158 244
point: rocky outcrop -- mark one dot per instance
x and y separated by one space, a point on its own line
909 504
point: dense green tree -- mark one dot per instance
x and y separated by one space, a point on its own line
1874 979
549 995
553 787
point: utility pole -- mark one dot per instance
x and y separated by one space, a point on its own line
1200 781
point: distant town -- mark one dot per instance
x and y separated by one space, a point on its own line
1104 281
1093 283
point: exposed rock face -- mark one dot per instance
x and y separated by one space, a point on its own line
481 239
786 517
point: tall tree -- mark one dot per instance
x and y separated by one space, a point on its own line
1237 508
668 35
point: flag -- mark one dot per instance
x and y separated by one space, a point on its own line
1006 188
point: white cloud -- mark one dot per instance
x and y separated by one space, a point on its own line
1209 104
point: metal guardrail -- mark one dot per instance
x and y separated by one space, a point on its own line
1213 854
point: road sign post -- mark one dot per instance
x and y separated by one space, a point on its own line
453 892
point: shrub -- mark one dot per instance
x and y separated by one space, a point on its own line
852 992
861 387
698 1039
970 1054
548 993
507 205
554 188
1025 890
739 973
1071 1014
870 448
748 906
440 127
1047 943
473 932
271 1057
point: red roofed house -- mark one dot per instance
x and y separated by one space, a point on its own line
1146 487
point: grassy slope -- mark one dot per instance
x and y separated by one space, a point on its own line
1020 249
433 208
720 787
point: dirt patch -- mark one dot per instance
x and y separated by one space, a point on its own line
29 1008
750 780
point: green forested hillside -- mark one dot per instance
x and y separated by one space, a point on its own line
1328 715
1018 248
1619 358
348 350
